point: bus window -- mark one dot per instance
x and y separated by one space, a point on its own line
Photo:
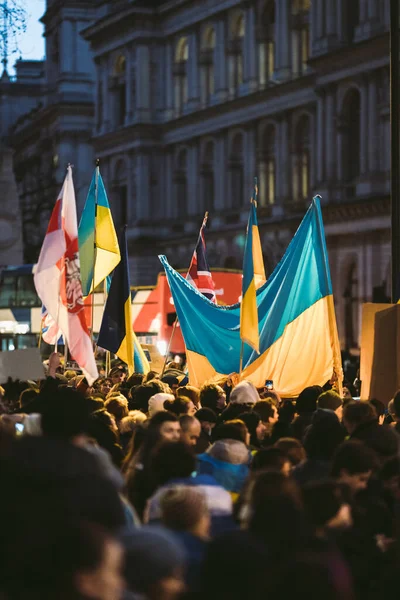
26 292
8 294
25 341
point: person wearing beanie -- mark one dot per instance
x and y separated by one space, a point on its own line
331 401
154 564
156 403
184 511
243 397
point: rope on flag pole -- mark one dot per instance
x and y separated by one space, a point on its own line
205 219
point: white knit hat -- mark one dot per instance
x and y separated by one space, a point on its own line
156 402
244 393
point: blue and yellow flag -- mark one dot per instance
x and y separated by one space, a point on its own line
116 333
298 340
98 244
253 277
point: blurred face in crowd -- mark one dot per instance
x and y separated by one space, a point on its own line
118 376
106 386
260 431
192 434
171 431
274 419
221 402
356 481
169 588
106 581
192 409
346 394
207 427
343 519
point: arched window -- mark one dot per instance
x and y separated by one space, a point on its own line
301 160
180 74
119 208
236 54
120 90
236 171
267 166
266 60
351 132
207 177
300 35
181 187
207 65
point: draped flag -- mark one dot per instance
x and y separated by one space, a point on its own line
116 332
51 333
298 340
199 273
58 283
98 243
253 277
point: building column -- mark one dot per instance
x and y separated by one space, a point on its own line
249 162
250 50
314 27
143 185
321 121
220 61
364 128
193 72
220 173
330 157
373 147
283 160
142 91
193 180
169 81
331 19
283 39
106 100
128 86
320 16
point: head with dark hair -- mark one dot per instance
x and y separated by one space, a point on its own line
180 406
94 404
212 396
293 449
358 413
267 411
287 412
380 409
353 464
396 405
27 396
102 428
206 415
327 505
323 436
135 379
271 458
141 397
306 402
191 392
184 508
171 460
166 425
255 427
190 430
67 416
118 407
231 430
330 400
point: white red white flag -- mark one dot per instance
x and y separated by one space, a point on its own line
58 282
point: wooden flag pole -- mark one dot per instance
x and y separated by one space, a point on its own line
96 186
176 320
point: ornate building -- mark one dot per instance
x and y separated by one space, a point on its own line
58 129
193 98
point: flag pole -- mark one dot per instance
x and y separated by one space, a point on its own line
241 360
96 186
205 219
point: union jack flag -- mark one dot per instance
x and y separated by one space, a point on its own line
199 273
51 334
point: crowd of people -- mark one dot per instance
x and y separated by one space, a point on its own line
147 488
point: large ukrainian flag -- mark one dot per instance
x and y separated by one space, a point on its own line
253 277
116 332
298 340
98 243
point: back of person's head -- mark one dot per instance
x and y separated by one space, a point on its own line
329 400
66 416
252 421
135 379
396 404
69 374
266 409
206 415
293 449
231 430
287 412
244 393
141 397
306 402
354 457
130 423
94 404
271 458
183 508
323 437
379 407
171 460
27 396
357 413
161 417
156 402
187 422
323 501
191 392
209 396
117 406
391 409
179 406
273 396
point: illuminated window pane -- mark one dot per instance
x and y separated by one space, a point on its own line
271 59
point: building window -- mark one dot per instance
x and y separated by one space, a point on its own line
266 46
351 306
300 36
181 186
351 139
119 207
301 160
100 104
352 19
180 74
207 177
207 65
120 90
267 167
236 54
236 171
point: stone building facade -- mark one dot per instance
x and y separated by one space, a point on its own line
194 98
